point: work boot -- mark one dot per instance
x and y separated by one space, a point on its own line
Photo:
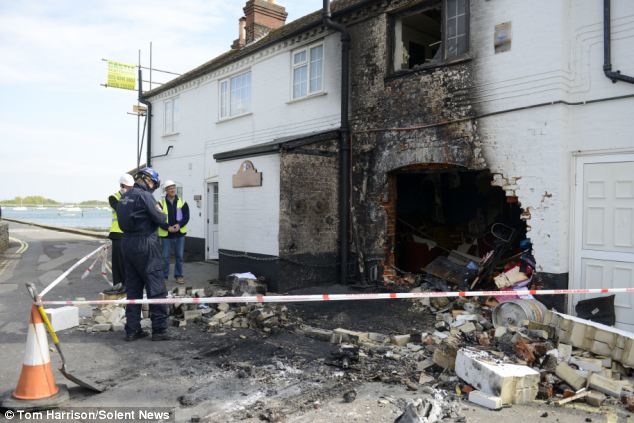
160 336
115 290
180 280
136 335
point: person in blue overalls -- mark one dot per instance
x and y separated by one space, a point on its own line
139 216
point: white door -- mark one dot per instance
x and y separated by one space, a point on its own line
604 229
212 221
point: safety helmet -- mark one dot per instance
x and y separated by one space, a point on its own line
126 179
168 184
150 173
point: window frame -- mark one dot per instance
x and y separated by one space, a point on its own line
225 100
170 120
307 63
419 9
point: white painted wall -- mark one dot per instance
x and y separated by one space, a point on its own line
201 134
249 217
556 54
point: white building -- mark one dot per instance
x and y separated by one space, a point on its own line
282 86
442 92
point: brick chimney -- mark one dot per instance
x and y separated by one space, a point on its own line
242 34
261 17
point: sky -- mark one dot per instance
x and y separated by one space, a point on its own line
63 135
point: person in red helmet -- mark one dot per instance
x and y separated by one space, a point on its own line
139 217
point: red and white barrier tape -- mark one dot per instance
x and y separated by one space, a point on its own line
70 269
343 297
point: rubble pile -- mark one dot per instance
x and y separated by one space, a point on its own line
494 354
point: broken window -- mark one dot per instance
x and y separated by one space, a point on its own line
432 34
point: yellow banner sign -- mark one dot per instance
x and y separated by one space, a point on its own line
121 75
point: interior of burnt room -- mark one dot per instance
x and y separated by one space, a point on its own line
445 219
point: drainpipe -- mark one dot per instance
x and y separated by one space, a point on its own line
148 116
344 145
607 65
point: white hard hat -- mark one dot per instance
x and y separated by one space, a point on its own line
168 184
126 179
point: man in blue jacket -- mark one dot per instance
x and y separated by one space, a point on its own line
139 216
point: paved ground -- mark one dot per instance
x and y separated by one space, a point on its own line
228 374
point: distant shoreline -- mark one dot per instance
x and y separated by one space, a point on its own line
94 232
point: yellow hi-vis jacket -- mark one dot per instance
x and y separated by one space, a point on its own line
114 226
179 216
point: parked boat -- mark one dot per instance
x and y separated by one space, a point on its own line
70 210
20 207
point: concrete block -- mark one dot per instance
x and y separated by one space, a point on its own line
597 338
563 335
500 331
228 316
118 327
564 351
192 314
445 355
607 386
352 335
606 337
468 327
595 398
577 335
316 333
571 376
378 337
102 327
601 348
400 340
514 384
216 317
489 401
65 317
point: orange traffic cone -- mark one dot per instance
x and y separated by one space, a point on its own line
36 387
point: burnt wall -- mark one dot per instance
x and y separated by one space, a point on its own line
309 217
415 117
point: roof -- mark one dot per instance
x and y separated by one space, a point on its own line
289 30
277 145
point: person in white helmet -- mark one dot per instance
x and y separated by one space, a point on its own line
172 231
118 270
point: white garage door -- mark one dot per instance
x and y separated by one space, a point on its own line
604 229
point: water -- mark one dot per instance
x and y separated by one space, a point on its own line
87 218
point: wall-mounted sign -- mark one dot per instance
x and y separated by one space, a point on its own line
247 176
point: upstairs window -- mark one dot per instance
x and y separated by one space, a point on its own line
308 71
171 117
235 95
432 34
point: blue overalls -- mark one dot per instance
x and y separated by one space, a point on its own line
139 219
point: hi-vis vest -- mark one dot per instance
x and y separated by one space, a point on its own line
114 226
179 216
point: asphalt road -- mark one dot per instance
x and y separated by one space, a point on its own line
38 256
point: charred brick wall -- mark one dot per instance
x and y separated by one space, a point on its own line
418 117
309 215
